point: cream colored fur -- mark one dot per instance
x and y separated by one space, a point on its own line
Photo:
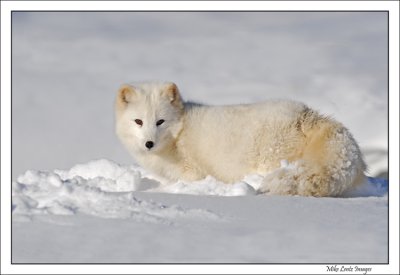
229 142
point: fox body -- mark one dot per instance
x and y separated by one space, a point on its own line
179 140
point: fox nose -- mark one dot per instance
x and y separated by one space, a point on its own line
149 144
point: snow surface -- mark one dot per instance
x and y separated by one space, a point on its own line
104 212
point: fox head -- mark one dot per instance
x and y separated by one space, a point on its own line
148 116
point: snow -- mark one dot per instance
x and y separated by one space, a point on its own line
248 230
59 217
107 194
66 69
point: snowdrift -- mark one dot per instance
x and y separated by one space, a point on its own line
103 212
104 188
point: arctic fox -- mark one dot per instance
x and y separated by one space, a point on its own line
298 150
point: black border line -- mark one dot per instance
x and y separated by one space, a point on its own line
388 124
1 135
216 11
383 1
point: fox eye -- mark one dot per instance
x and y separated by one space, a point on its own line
139 122
161 121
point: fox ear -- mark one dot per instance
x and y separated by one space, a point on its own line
125 94
172 93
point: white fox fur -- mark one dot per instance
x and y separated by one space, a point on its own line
192 141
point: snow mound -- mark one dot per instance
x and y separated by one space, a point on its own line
99 188
107 175
106 189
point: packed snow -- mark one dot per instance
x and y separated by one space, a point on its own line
253 228
67 68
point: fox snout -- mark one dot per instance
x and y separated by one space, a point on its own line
149 144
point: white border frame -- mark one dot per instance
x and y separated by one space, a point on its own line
7 7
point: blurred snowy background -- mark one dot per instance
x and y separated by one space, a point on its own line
67 67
